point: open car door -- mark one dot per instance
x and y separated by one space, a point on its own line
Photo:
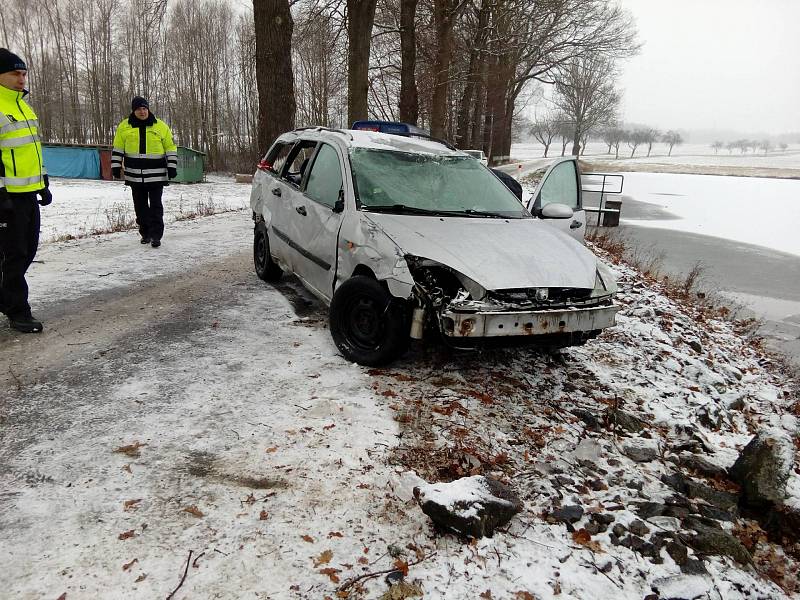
557 199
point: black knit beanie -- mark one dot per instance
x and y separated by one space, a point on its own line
139 102
11 62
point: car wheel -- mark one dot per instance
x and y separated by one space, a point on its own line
368 325
266 268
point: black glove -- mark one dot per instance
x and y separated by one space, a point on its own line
172 172
45 197
116 172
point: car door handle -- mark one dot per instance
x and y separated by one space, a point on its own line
575 225
276 191
301 210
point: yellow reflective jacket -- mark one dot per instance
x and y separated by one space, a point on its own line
21 165
146 149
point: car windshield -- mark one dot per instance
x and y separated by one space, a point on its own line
474 153
413 183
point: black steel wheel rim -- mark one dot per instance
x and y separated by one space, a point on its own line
261 252
363 322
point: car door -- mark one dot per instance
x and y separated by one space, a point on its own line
316 219
268 187
285 189
561 184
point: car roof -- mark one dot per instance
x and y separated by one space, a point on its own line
373 140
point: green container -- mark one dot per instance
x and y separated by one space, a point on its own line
190 165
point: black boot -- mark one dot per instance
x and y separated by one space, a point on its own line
144 240
155 243
25 324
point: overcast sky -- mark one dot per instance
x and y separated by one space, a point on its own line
715 64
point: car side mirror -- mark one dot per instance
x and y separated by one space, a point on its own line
556 210
338 206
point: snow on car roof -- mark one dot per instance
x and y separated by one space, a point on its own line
386 141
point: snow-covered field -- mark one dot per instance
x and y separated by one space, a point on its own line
685 154
289 472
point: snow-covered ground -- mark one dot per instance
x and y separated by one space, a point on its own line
290 472
760 211
83 206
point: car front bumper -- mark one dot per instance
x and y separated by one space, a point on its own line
490 324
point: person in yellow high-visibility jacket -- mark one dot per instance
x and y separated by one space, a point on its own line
143 145
23 187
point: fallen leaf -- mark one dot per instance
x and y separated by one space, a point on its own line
127 566
331 572
487 595
127 534
193 510
327 427
141 578
63 596
307 538
363 486
127 468
401 566
524 596
389 394
334 534
363 560
324 558
263 515
271 450
131 449
130 505
583 538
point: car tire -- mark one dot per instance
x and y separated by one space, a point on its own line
266 268
368 325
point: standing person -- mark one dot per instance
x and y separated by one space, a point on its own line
23 187
150 158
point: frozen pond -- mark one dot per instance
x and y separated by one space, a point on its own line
753 210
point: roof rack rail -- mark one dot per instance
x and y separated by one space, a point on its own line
321 128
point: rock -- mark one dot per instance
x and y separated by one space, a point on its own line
695 345
701 465
694 489
619 530
589 419
709 416
763 468
685 587
693 566
598 485
471 506
648 509
619 419
712 512
710 540
587 453
678 552
664 523
566 514
641 450
603 518
638 527
592 528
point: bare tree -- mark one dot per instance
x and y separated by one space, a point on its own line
765 145
717 146
636 138
613 137
409 99
586 95
651 137
672 138
544 130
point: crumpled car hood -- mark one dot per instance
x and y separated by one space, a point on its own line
495 253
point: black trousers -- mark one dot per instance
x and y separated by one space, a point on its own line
19 240
149 210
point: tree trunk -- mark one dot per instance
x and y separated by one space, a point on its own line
443 18
274 76
409 99
476 62
360 17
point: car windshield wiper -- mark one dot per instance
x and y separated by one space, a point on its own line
404 208
481 213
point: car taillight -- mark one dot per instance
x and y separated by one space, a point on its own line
263 165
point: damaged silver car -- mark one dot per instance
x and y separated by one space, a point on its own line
406 237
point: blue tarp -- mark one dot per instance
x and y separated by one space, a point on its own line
82 163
